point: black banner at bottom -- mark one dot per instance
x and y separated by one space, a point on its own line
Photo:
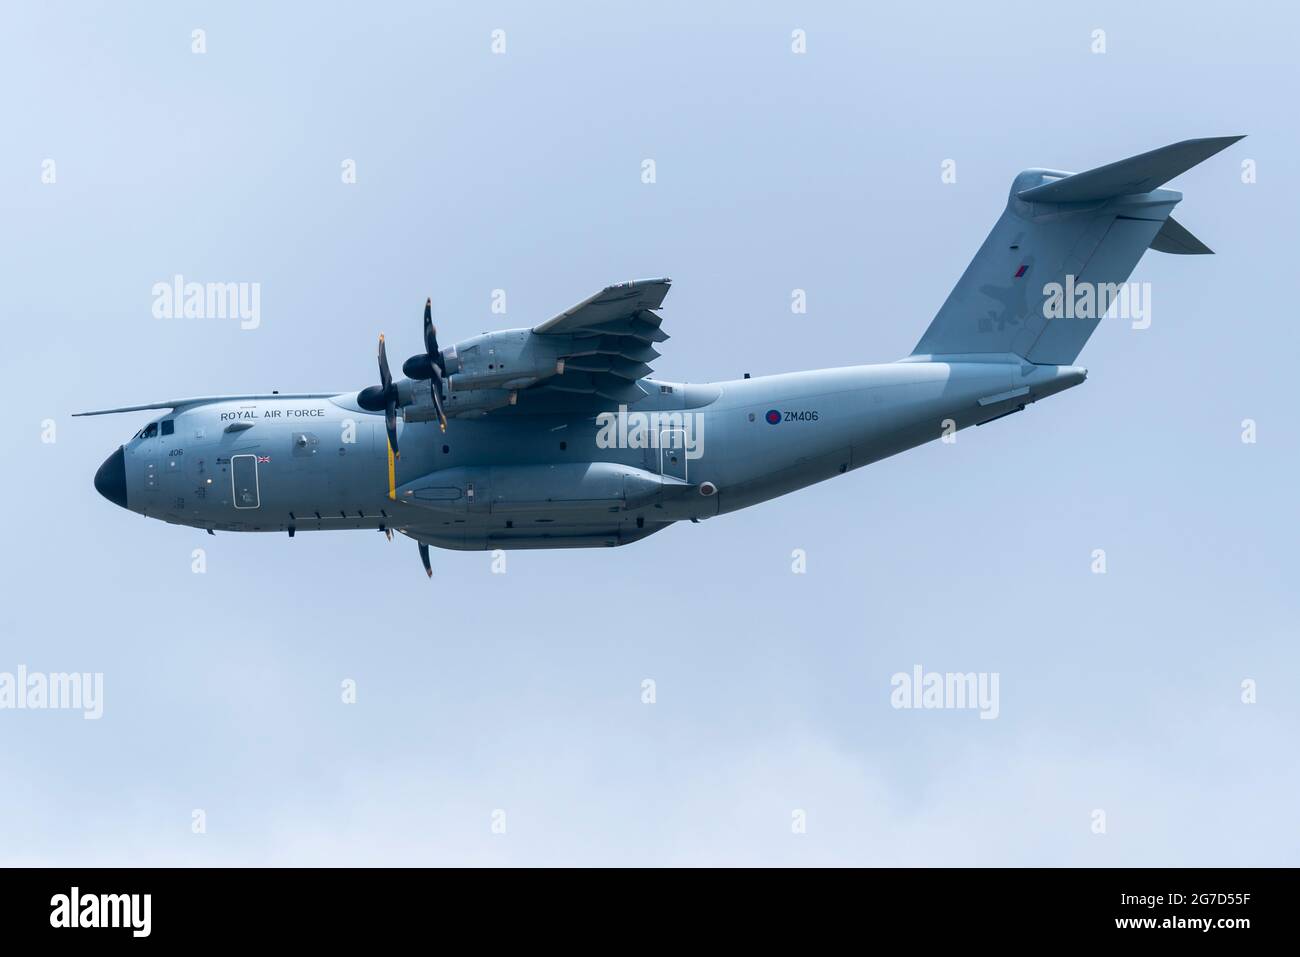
177 906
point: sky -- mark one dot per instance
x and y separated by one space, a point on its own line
1147 715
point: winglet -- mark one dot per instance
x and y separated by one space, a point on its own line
1137 174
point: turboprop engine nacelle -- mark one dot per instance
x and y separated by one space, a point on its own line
513 359
459 403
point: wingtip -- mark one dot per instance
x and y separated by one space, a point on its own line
1222 142
1225 140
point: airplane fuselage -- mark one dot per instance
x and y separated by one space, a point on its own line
517 479
558 436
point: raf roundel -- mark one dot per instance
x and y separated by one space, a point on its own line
773 416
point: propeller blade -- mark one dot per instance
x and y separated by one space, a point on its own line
390 421
435 389
424 557
385 377
431 339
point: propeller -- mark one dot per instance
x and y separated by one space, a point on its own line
430 365
424 557
384 396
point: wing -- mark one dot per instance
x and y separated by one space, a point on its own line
610 341
181 404
615 310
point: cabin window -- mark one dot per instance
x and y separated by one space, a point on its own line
149 431
168 427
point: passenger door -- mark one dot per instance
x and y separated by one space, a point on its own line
245 492
672 453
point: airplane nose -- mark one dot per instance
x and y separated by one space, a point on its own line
110 480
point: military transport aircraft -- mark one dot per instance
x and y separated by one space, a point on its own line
558 437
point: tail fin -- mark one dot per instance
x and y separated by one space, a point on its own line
1069 229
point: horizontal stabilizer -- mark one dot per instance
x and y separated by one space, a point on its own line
1137 174
1175 238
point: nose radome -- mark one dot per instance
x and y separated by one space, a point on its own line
110 480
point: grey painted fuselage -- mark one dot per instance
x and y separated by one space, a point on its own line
557 437
275 463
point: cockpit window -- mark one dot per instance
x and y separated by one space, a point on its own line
152 429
